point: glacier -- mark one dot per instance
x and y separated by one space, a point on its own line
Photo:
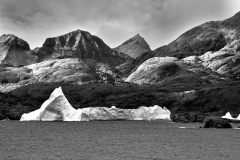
57 108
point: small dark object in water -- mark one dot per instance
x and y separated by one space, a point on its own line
217 123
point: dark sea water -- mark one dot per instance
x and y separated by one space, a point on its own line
115 140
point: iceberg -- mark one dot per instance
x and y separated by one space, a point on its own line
57 108
238 118
227 116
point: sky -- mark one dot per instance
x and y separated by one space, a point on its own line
114 21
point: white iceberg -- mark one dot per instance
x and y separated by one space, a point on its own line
57 108
227 116
238 118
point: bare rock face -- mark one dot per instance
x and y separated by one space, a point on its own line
14 74
15 51
161 67
82 45
70 70
64 70
225 62
162 70
197 41
211 36
134 47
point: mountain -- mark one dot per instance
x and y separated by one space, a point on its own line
76 57
82 45
134 47
15 52
220 38
211 36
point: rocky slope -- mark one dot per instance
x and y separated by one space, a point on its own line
82 45
156 70
211 50
162 70
15 51
208 37
76 57
70 70
134 47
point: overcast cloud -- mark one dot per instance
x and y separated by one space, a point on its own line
115 21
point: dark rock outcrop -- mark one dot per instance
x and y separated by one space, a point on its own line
188 117
15 51
134 47
217 123
82 45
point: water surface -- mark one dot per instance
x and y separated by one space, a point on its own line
115 140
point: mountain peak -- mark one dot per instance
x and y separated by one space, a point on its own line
137 36
8 35
134 47
13 41
15 51
81 31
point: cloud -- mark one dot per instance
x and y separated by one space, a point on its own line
158 21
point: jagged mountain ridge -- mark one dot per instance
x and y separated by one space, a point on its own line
82 45
134 47
76 57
